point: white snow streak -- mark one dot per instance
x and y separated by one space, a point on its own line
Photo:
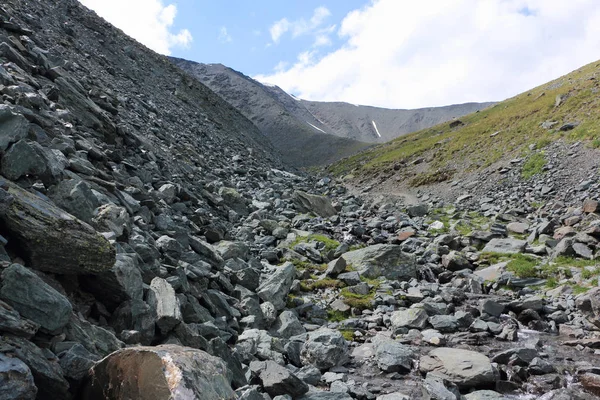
376 130
315 127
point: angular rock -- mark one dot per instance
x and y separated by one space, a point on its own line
324 348
505 246
455 261
123 282
162 299
276 288
13 127
336 267
47 374
34 299
277 380
16 380
50 239
307 203
13 323
465 368
157 373
410 318
590 206
392 356
75 197
386 260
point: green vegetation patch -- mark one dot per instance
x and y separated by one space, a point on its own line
498 132
534 165
308 286
330 244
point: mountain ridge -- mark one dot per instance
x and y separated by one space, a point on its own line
296 126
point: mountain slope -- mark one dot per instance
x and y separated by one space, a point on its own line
300 143
377 125
296 126
566 108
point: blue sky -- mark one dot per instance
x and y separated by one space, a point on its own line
387 53
250 48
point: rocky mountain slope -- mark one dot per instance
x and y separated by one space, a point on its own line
297 127
150 249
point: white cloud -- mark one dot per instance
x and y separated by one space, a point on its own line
224 36
300 26
433 52
148 21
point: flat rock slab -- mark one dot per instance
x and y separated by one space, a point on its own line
465 368
383 260
505 246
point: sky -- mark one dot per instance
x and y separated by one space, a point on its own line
386 53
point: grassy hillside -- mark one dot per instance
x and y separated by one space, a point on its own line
507 129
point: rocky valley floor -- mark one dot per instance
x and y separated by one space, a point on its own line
152 246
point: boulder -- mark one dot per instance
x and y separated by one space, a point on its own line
277 286
111 218
465 368
75 197
505 246
16 380
34 299
123 282
30 158
44 367
410 318
13 323
392 356
13 127
455 261
589 305
386 260
310 203
162 299
48 238
277 380
158 373
324 348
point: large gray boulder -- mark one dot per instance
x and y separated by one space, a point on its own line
164 303
589 305
465 368
123 282
34 299
386 260
310 203
30 158
13 323
411 318
75 197
392 356
49 238
324 348
157 373
278 380
45 369
276 287
505 246
13 127
16 380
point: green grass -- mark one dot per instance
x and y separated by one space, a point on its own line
534 165
523 266
321 284
564 261
475 145
348 334
362 302
330 244
336 315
